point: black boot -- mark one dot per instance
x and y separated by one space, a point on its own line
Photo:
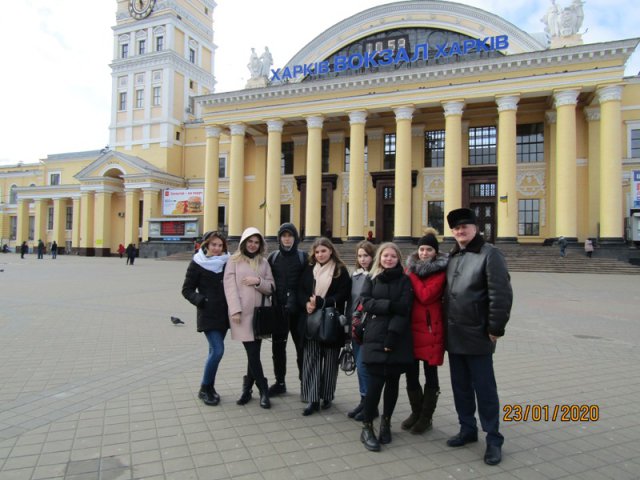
263 388
277 388
368 437
360 415
247 383
208 395
385 430
429 402
415 400
357 410
310 408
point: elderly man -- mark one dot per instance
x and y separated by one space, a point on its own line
477 303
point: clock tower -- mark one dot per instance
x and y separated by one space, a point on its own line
163 57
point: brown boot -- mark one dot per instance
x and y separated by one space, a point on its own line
415 400
429 402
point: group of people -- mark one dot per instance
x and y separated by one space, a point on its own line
40 249
408 315
131 252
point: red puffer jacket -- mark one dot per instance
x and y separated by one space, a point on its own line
426 313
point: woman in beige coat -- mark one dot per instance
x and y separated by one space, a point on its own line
247 277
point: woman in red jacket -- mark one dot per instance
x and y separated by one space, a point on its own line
426 269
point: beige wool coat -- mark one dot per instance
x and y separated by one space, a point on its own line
242 298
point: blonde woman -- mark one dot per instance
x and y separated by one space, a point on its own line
247 278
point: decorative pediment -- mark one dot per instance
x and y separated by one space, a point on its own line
112 162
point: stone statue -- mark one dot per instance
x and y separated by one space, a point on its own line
564 22
551 20
254 65
266 61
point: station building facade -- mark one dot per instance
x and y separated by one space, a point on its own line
381 124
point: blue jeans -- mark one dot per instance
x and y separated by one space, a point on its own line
216 351
361 368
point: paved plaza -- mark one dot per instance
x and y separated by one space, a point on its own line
96 383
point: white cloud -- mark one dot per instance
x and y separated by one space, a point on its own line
55 90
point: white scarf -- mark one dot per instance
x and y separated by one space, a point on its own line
214 264
323 275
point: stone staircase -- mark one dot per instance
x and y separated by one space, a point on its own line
520 258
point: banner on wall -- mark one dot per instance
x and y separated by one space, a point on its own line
636 189
183 201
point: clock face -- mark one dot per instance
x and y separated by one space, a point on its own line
140 9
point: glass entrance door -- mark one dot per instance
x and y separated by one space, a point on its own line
486 217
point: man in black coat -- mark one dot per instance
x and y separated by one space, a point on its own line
478 302
287 264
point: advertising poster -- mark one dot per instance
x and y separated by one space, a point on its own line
183 201
635 189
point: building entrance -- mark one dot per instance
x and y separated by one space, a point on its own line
479 185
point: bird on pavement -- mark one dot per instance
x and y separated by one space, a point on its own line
176 321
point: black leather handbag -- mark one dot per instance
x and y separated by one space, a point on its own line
266 320
323 325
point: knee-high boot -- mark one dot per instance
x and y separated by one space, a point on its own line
415 400
247 383
429 403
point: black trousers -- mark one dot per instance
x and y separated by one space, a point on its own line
279 348
381 377
254 365
430 375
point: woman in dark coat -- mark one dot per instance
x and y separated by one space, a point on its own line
387 345
324 282
203 287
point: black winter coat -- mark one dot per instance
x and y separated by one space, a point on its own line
287 268
338 295
478 298
205 290
387 300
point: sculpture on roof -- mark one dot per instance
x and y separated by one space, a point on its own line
563 24
254 65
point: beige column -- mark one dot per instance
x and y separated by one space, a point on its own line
402 191
75 224
212 154
22 228
59 220
314 177
566 169
150 209
87 200
131 216
356 221
611 207
592 114
452 159
272 197
102 222
40 227
236 181
507 192
550 147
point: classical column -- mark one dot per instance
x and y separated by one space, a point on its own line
402 191
150 209
131 216
356 219
75 224
87 198
592 115
59 221
272 197
566 169
22 228
507 192
102 223
40 210
611 207
313 204
236 181
551 118
452 159
212 153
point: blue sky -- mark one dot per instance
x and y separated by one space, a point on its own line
58 96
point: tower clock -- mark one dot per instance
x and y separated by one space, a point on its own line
140 9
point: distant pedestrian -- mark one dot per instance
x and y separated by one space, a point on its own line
54 250
24 248
562 242
121 250
131 253
588 247
40 249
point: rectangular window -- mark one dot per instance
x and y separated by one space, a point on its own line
325 155
347 154
124 50
529 217
157 96
635 143
192 55
159 44
435 212
142 44
482 190
389 151
221 218
434 148
122 102
13 229
139 98
482 146
32 226
530 143
68 223
285 213
50 218
54 179
222 167
286 159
